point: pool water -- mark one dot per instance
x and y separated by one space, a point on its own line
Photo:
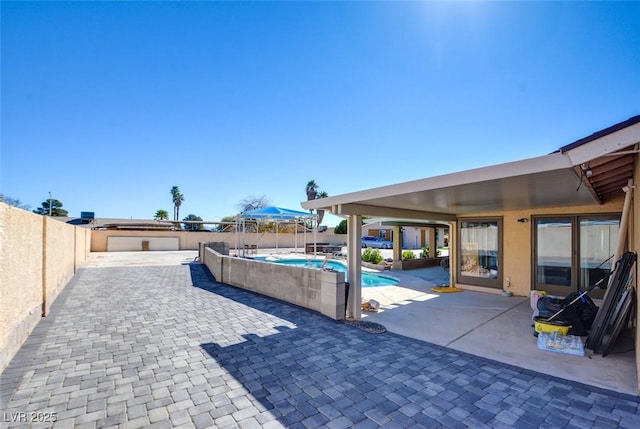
368 279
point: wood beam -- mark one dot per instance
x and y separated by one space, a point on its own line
605 179
587 184
613 165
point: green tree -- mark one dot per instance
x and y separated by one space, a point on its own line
220 228
341 228
177 198
14 202
161 215
193 226
54 205
371 255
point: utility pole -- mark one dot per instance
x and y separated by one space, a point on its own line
50 204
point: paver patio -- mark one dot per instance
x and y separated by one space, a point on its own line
167 346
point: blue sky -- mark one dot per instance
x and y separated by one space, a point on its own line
107 105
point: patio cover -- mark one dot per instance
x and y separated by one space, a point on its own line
578 174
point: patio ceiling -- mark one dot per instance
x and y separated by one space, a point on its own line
555 180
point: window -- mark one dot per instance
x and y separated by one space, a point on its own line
382 234
480 252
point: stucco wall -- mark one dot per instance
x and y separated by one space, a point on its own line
634 246
517 239
322 291
59 260
21 254
38 256
188 240
82 246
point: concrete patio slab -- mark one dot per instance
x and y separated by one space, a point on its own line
492 326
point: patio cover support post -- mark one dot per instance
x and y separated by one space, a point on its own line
432 242
354 266
453 253
397 246
244 232
315 235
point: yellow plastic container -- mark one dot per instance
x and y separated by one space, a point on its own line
541 325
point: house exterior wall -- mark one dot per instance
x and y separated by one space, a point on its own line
375 228
517 240
412 237
634 246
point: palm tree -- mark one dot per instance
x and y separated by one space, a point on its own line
312 190
178 198
161 215
320 212
313 194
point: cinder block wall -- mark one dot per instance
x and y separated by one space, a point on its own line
38 257
321 291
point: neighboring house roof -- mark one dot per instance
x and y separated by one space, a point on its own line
114 223
552 180
160 226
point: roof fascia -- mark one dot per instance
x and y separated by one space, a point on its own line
604 145
597 135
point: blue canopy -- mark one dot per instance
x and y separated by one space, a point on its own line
276 213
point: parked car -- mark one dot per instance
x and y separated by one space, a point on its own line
376 242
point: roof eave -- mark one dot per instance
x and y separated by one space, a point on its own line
551 162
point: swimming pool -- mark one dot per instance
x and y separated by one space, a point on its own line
368 279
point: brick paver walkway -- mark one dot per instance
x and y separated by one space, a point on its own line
169 347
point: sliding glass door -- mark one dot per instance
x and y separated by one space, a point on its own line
573 253
598 242
554 255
